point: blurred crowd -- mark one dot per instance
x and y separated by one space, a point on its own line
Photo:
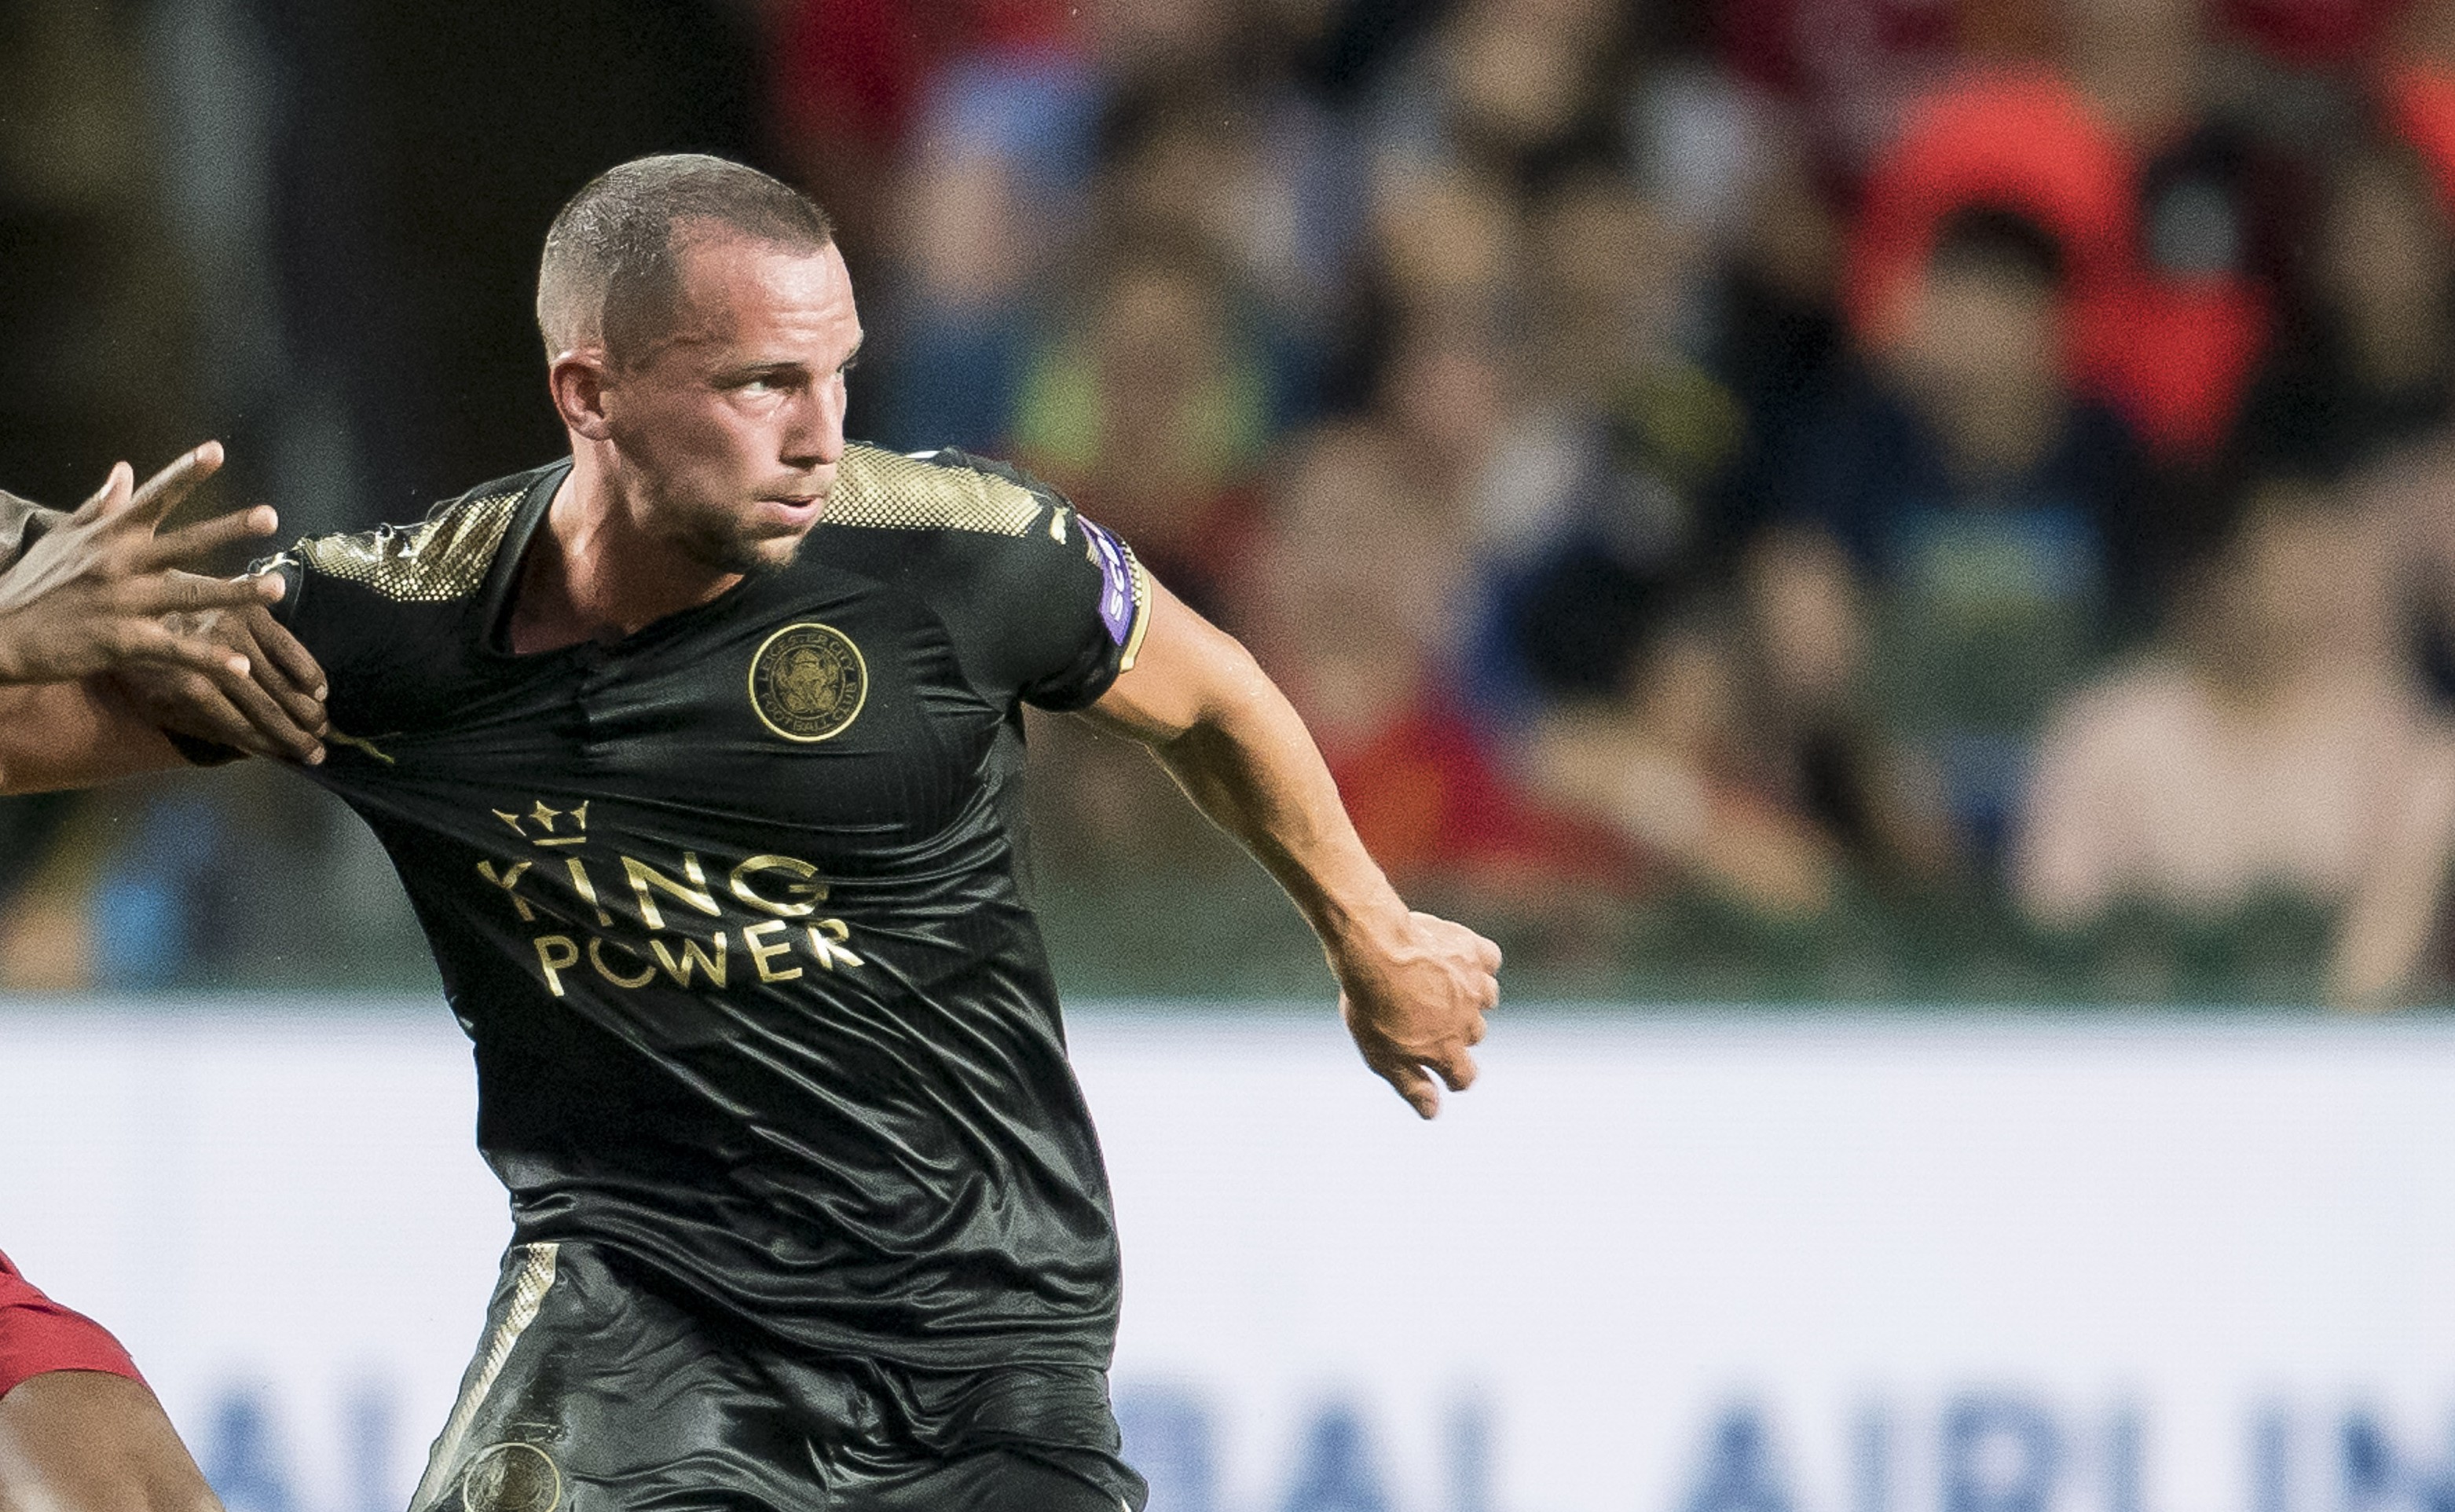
1759 498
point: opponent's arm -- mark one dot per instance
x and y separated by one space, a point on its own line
73 735
81 1441
1412 988
100 591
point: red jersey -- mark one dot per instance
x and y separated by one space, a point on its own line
38 1335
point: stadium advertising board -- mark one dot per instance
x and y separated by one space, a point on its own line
1652 1265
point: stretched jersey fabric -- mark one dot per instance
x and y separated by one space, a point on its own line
21 522
38 1336
729 908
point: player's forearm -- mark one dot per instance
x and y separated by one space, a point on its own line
1249 763
65 735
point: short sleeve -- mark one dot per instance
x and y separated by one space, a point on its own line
38 1336
1044 605
1096 607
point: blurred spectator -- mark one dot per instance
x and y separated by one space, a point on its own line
2153 210
1777 337
2368 363
849 80
997 169
1266 185
1850 67
2273 744
1597 505
2406 496
1682 767
1987 510
1353 588
1151 410
1499 86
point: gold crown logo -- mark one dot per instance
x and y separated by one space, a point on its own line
550 830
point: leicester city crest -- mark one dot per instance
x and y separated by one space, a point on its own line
808 683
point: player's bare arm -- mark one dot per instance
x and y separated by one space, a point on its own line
105 636
1412 988
81 1441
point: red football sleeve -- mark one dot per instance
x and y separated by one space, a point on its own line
38 1335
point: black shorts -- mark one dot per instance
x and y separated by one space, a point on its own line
592 1392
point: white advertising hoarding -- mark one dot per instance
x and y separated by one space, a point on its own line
1831 1263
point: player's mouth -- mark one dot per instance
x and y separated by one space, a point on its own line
792 510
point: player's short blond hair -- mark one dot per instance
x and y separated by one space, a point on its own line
610 276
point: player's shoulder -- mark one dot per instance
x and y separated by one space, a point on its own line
438 559
1027 588
946 490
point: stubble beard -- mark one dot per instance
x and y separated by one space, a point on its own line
727 550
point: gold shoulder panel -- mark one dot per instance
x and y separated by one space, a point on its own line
887 491
434 563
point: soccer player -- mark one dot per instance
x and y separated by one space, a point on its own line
699 754
84 595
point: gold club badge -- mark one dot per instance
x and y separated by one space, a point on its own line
808 683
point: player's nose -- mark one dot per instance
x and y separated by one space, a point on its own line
815 437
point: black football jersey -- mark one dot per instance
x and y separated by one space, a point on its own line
729 908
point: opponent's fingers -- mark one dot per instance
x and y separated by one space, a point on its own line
205 656
304 705
193 593
111 497
269 720
1477 1029
274 639
1486 954
204 710
164 490
148 639
208 536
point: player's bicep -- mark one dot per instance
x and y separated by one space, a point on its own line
65 735
1187 672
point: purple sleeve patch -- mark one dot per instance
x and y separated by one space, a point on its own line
1117 591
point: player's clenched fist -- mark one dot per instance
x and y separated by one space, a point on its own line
1414 997
91 593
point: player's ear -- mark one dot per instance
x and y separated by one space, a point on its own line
578 380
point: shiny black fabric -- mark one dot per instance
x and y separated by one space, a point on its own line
764 1015
592 1391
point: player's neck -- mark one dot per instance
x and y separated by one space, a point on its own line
590 573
